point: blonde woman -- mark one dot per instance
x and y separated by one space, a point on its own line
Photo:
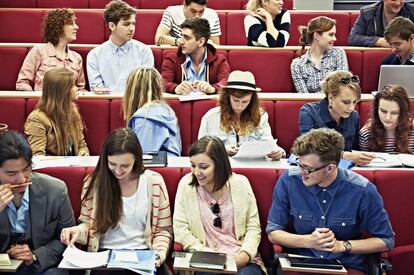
311 68
148 115
268 24
55 126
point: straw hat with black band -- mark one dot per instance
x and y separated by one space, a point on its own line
242 81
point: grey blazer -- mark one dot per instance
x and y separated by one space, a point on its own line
50 211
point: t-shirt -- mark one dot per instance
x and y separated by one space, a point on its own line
174 16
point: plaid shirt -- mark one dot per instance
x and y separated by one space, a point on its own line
307 77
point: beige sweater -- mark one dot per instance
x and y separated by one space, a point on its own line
158 231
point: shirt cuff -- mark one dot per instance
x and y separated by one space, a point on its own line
272 227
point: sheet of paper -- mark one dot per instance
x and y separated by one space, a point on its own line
256 149
195 95
126 256
74 257
385 160
58 161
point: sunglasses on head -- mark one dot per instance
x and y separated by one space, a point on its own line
347 80
215 208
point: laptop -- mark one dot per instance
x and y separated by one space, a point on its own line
402 75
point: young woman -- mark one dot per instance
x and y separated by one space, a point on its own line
59 29
311 68
148 115
267 25
337 111
123 205
215 209
391 127
55 126
239 117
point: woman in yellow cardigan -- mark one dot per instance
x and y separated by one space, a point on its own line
123 206
215 209
55 126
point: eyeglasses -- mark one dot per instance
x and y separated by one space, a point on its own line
347 80
215 208
309 170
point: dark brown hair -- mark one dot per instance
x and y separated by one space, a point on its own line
104 184
397 94
401 27
117 10
214 148
199 26
318 24
249 118
54 22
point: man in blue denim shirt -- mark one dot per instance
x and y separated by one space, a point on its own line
329 207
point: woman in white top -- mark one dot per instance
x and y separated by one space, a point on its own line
239 117
311 68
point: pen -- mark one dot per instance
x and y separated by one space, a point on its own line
378 157
151 153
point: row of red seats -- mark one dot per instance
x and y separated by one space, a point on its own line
26 25
140 4
395 186
364 63
103 115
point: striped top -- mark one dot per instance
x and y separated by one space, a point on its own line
174 16
258 36
158 232
389 146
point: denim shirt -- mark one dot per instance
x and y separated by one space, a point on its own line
316 115
349 206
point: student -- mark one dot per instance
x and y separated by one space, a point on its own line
400 35
109 64
328 208
391 127
215 209
59 29
123 206
55 126
196 65
170 30
148 115
311 68
368 30
337 111
239 117
267 25
33 210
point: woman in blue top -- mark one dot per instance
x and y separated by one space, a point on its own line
148 115
337 111
267 25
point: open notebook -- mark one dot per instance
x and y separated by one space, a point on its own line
385 160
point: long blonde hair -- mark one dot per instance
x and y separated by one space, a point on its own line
56 102
144 85
253 5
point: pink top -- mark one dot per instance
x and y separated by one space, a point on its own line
224 239
42 58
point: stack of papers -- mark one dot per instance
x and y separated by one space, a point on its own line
195 95
5 259
74 258
256 149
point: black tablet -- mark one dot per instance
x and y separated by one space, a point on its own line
314 263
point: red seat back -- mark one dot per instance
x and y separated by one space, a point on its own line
74 4
372 65
236 34
91 27
15 23
200 108
146 26
13 113
14 58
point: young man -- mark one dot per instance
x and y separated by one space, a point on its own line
169 30
109 64
328 207
196 65
368 30
34 208
400 35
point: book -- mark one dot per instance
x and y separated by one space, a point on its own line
4 259
155 159
210 260
314 262
138 261
384 160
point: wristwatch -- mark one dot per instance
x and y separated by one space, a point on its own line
348 246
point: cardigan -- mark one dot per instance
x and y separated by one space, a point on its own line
42 139
158 230
188 228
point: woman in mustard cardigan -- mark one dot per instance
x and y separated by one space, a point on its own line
215 209
123 206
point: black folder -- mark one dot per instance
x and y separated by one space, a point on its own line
155 159
211 260
314 263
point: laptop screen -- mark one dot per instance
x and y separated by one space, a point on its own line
402 75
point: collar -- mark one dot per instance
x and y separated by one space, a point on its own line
409 61
51 51
327 53
188 62
124 48
25 200
324 111
331 189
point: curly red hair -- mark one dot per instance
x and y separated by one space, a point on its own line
54 22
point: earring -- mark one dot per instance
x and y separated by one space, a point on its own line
330 106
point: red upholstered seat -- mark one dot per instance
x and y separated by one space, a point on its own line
355 62
401 258
100 4
224 4
91 27
13 113
200 108
18 4
171 178
157 58
236 34
182 111
116 116
372 65
73 177
151 4
287 122
269 107
14 58
223 26
301 18
146 26
84 53
270 68
75 4
20 26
